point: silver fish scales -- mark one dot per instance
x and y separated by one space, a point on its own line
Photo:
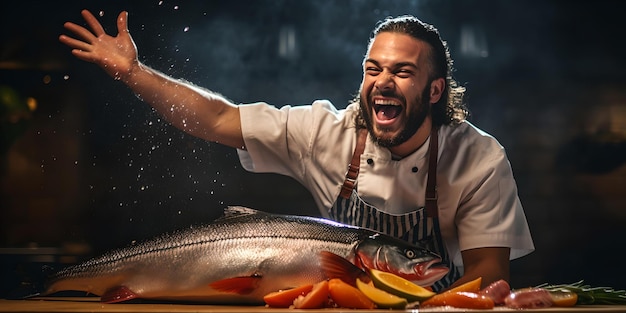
241 257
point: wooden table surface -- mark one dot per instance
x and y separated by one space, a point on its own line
91 304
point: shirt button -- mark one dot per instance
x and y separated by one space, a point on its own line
414 169
370 161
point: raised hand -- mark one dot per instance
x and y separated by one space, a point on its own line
116 55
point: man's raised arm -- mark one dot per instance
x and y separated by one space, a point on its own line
192 109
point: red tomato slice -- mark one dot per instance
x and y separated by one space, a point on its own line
463 300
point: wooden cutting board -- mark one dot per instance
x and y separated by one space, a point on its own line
91 304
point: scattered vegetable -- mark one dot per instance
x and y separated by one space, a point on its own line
470 286
497 291
563 298
529 298
381 298
315 299
285 298
347 296
463 300
389 291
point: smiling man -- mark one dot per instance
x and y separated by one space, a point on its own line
400 159
396 69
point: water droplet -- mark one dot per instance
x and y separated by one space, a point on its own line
101 13
186 29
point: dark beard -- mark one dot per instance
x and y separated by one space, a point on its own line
414 122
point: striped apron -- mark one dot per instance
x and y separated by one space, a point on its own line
420 227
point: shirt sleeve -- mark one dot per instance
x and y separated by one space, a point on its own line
271 145
492 214
310 143
488 211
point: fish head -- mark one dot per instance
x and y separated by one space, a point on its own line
416 264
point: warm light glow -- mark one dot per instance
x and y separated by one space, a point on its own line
31 103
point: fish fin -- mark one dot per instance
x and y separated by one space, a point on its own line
118 294
239 285
336 266
237 211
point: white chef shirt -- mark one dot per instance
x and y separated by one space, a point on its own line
478 202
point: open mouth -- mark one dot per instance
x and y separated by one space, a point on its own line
386 111
427 273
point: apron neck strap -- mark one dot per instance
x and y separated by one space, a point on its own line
354 166
432 210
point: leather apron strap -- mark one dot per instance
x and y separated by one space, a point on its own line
432 210
354 166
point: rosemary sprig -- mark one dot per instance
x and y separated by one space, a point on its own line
590 295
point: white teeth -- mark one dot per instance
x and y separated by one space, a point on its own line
384 102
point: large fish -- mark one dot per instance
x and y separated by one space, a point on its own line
241 257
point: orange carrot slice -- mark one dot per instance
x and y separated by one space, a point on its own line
347 296
285 298
315 299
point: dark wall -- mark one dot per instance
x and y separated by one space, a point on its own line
94 168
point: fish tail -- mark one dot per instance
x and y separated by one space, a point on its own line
32 286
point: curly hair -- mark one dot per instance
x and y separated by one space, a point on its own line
451 108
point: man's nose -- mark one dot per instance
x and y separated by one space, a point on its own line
385 81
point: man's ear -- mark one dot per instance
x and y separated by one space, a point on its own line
436 89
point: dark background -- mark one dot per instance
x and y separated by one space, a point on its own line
89 167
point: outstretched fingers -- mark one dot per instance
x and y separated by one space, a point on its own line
80 31
74 43
93 23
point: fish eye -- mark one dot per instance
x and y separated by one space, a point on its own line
410 254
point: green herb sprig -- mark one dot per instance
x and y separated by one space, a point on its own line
590 295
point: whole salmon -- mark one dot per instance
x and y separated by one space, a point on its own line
243 256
